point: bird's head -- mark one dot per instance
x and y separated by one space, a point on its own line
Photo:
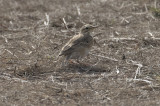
87 28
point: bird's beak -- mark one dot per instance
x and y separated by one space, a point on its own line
95 26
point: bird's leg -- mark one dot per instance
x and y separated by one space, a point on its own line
78 61
71 61
64 63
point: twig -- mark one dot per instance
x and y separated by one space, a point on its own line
142 80
47 20
138 72
142 13
9 77
23 58
78 10
104 57
117 70
155 4
131 79
124 20
134 39
146 7
6 40
64 21
118 39
11 53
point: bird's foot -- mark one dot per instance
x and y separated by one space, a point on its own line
73 62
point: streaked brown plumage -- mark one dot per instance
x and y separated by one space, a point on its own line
79 45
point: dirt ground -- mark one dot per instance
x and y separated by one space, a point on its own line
124 71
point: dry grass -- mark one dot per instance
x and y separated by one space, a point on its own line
123 72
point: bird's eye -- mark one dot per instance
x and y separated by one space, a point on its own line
87 28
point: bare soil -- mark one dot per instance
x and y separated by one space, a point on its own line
124 71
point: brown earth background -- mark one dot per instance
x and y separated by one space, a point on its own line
124 71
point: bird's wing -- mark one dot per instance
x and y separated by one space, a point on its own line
72 45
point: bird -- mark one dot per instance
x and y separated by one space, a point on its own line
79 45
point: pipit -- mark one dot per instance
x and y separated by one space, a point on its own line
79 45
